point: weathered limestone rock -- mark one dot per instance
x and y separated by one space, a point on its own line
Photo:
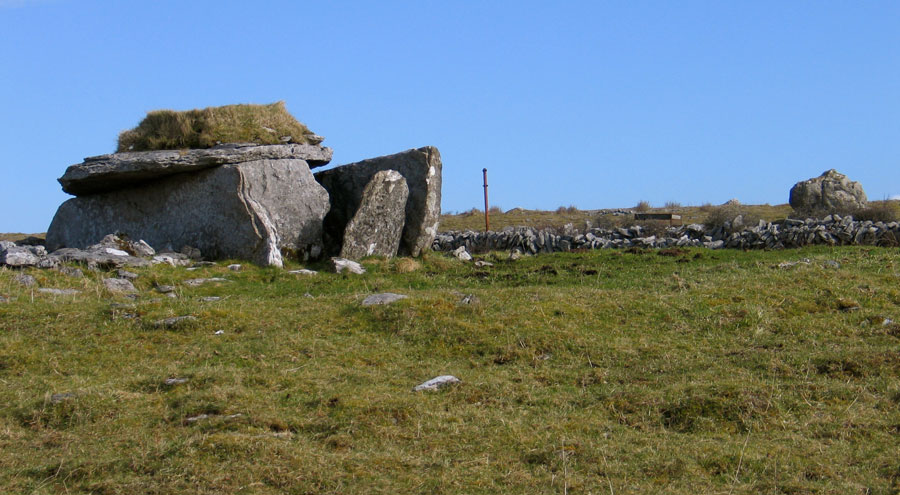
830 192
119 285
339 265
422 170
376 227
251 210
382 299
120 170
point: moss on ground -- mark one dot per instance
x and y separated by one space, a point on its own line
261 124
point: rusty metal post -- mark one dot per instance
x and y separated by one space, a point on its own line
487 223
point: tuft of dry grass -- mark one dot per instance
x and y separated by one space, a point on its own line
245 123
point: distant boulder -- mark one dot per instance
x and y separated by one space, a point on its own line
831 192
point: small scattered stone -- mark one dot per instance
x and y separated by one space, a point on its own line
383 298
191 252
174 321
165 289
845 304
461 254
3 299
309 295
60 292
175 381
194 419
195 282
174 259
515 255
210 298
119 285
57 398
437 383
201 264
126 274
483 264
172 295
339 265
303 271
72 272
832 264
25 280
114 251
235 267
469 299
219 332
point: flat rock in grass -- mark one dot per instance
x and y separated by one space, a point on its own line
119 285
469 299
175 381
421 168
72 272
173 259
126 274
174 322
196 282
59 292
57 398
303 271
235 267
100 260
25 280
3 300
210 298
383 298
483 264
339 265
377 225
437 383
165 289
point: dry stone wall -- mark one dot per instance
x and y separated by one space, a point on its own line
832 230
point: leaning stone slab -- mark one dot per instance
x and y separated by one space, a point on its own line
422 170
376 227
252 211
121 170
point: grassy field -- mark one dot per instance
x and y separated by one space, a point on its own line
601 372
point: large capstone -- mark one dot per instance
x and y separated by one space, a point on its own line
832 192
422 170
376 227
253 210
119 170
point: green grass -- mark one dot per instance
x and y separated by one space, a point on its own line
600 372
169 130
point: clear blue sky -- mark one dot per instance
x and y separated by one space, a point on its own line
596 104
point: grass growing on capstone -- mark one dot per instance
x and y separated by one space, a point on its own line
170 130
599 372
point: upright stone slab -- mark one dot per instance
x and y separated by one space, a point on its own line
422 170
251 210
376 227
